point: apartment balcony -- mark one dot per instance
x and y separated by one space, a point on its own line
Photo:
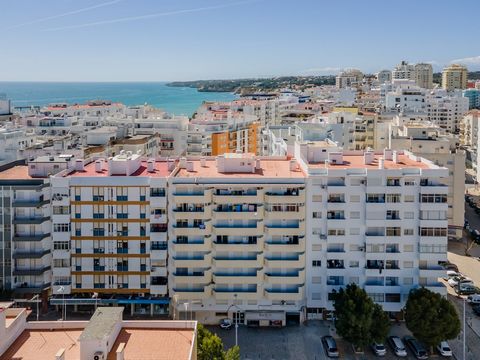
37 220
158 254
31 271
30 288
247 198
239 215
238 262
298 247
294 278
158 201
204 197
432 271
239 247
243 230
285 295
199 213
285 198
285 215
434 223
30 203
196 278
435 257
30 254
204 229
61 271
279 230
158 289
158 271
241 278
297 262
193 261
192 245
233 294
29 238
192 294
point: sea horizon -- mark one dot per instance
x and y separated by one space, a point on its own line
175 100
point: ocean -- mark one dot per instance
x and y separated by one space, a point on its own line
176 100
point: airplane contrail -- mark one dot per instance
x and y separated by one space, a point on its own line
73 12
149 16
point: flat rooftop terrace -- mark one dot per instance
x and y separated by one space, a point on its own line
357 162
269 169
19 172
161 170
44 344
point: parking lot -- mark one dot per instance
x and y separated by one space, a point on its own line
297 342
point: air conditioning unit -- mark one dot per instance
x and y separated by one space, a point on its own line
99 355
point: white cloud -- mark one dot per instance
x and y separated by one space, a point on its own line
320 70
474 60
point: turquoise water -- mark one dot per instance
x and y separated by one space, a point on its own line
176 100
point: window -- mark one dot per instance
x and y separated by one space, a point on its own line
336 232
355 215
409 198
157 192
408 264
61 227
316 247
393 231
408 214
61 263
61 245
316 296
316 279
393 198
353 264
317 214
433 198
408 232
377 297
409 182
408 248
433 232
316 263
61 210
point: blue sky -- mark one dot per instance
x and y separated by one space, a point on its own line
154 40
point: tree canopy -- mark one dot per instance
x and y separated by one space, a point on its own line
430 317
210 347
359 320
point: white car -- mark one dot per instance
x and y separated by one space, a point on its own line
226 324
451 274
379 349
473 299
444 349
454 281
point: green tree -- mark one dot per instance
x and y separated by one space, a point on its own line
358 319
210 347
431 317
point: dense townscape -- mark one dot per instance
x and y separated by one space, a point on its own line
289 204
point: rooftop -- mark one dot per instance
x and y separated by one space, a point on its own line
102 323
153 344
268 169
31 343
19 172
357 162
160 170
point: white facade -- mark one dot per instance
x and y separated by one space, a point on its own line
446 109
406 98
384 76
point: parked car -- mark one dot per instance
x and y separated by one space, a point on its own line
454 281
451 274
416 347
226 323
449 266
379 349
397 346
476 310
473 299
444 349
330 346
466 289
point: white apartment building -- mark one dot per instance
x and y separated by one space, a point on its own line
110 229
406 98
13 140
384 76
429 141
404 71
446 109
237 239
5 107
348 78
424 75
469 138
25 239
375 219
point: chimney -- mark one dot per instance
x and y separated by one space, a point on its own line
189 166
258 164
381 163
293 165
79 165
387 154
60 355
203 161
395 157
151 165
183 163
368 157
170 164
120 351
98 166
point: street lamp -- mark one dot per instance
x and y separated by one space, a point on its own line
236 318
464 329
186 310
64 312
